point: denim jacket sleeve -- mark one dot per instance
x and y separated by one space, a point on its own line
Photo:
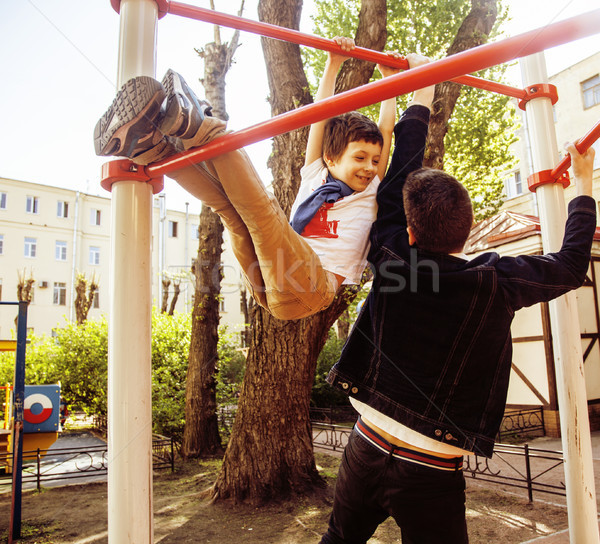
529 279
410 135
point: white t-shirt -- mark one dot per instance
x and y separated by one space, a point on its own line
339 232
404 433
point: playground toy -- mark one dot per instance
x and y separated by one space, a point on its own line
129 388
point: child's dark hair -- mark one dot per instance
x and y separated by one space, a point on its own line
346 128
438 210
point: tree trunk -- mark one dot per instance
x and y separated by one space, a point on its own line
176 291
343 325
270 452
369 34
474 31
246 304
166 283
201 432
84 297
24 290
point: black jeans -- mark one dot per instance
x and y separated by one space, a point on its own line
427 504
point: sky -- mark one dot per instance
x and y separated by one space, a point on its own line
59 67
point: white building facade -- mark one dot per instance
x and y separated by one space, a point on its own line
575 113
52 234
516 231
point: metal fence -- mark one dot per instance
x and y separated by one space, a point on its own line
523 467
528 422
69 465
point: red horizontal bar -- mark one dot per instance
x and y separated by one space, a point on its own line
294 36
444 69
582 146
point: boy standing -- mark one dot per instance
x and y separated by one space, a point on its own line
428 361
292 274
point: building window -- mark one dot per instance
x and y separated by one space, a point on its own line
591 91
60 252
32 205
513 185
1 244
60 294
96 301
195 233
518 183
172 229
94 255
62 209
95 217
2 201
222 305
596 146
30 247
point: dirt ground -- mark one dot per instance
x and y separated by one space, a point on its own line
77 514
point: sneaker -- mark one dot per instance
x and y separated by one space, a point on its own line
129 126
184 112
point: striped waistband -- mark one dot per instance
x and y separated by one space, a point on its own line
407 454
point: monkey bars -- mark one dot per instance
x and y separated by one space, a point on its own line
582 146
445 69
129 384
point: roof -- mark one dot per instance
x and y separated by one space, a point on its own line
504 228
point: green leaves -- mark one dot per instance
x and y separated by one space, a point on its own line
77 357
482 124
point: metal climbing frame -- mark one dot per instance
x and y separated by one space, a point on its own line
14 531
129 387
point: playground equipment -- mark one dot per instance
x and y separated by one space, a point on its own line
129 398
41 414
31 418
14 530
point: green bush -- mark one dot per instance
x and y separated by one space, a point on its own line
170 350
323 395
230 367
77 357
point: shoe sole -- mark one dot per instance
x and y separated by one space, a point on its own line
132 115
176 114
181 103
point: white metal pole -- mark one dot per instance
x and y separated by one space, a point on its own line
564 319
129 368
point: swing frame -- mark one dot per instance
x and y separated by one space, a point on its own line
129 387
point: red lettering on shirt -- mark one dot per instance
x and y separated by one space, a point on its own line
319 226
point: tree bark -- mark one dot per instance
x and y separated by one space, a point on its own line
474 31
369 34
166 283
270 452
343 325
201 433
176 291
84 297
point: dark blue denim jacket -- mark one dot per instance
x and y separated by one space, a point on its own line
431 347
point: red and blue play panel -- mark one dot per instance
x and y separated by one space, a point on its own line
41 408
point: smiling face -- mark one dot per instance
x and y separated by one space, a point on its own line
357 165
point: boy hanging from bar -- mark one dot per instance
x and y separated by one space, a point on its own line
293 270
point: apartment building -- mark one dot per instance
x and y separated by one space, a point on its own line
575 113
515 230
52 234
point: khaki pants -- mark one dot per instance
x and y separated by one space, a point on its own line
281 270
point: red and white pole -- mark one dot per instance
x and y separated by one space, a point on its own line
129 351
564 319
